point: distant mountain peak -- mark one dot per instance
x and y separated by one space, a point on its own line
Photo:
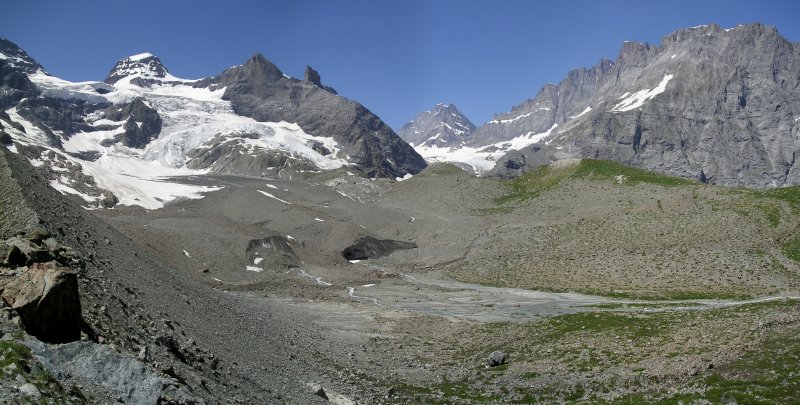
13 55
442 125
144 65
260 66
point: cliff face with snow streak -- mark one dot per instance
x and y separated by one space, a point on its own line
719 105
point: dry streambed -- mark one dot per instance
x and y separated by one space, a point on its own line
453 299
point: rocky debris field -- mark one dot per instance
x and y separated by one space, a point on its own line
336 289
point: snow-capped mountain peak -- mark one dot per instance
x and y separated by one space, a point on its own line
17 58
143 65
116 142
442 125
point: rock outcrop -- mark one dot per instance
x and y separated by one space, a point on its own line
313 77
519 162
272 252
368 247
142 123
14 69
38 280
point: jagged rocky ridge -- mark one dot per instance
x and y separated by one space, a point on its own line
719 105
443 125
251 119
258 89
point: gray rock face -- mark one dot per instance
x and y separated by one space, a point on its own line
721 103
554 104
443 125
229 154
58 118
120 375
14 70
258 89
519 162
142 126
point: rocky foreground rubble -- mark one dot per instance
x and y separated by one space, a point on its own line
45 342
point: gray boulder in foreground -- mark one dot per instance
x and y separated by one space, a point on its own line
497 358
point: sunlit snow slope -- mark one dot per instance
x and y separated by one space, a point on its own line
190 117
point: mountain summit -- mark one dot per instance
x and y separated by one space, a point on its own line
443 125
144 65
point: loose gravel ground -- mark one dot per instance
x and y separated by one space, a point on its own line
401 328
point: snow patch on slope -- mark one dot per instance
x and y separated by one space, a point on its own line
586 110
519 117
190 118
273 197
54 87
118 169
140 56
638 99
481 158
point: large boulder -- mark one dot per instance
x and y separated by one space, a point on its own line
11 256
367 247
496 358
45 295
272 252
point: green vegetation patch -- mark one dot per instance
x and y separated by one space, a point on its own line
632 325
789 194
14 353
540 179
791 248
768 375
606 169
544 178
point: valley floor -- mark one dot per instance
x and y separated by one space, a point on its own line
596 289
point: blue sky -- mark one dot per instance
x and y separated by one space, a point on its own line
395 57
